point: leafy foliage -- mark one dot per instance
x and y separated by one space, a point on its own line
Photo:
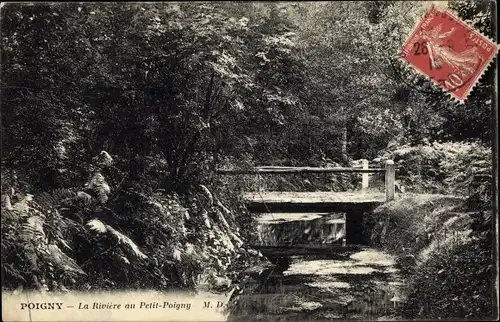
445 252
457 277
449 167
68 239
172 85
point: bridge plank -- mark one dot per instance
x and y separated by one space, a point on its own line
296 250
291 170
277 201
314 197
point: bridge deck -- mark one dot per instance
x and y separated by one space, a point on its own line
315 197
306 250
277 201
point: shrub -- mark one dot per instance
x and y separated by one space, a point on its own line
408 224
119 236
455 277
448 167
444 250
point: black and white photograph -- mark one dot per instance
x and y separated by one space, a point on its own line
249 161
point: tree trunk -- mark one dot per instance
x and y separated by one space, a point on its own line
344 144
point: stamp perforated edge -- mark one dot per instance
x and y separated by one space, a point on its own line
489 61
479 76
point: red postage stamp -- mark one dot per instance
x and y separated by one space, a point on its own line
450 52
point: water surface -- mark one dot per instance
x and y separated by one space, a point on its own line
361 284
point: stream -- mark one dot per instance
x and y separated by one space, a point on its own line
352 283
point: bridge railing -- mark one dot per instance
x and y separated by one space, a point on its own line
389 171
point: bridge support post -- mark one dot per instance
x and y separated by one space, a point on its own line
365 176
390 178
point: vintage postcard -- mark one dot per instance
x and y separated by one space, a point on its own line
249 161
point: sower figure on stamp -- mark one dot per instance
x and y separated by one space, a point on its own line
440 53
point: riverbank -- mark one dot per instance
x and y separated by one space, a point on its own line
443 250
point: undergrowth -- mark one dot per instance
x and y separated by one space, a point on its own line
117 234
443 246
446 168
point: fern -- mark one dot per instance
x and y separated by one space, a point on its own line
13 272
43 243
99 188
33 240
54 226
6 202
54 199
62 261
32 230
37 226
9 215
104 159
101 228
97 226
83 198
22 208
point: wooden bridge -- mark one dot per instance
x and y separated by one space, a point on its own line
275 201
297 204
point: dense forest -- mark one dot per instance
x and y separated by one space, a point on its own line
115 116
